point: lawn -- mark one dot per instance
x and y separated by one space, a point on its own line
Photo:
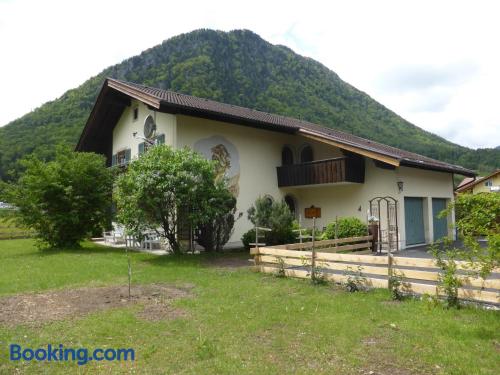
9 229
237 321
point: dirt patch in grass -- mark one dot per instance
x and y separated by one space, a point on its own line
380 359
38 308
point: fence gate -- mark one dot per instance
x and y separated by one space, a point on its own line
385 209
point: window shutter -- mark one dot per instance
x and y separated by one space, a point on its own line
141 148
160 140
127 155
113 160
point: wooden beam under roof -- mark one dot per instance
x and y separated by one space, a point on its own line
360 151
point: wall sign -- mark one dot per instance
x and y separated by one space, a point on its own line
311 212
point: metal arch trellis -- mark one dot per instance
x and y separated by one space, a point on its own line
389 237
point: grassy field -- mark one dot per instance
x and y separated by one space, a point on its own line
237 321
8 229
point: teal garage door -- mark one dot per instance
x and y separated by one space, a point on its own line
414 221
440 226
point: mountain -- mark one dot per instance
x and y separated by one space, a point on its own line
236 67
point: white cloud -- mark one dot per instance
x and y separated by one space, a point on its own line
442 55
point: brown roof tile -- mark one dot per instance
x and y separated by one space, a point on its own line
269 120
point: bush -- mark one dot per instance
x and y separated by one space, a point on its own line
248 238
260 212
448 280
275 216
281 224
64 200
476 215
346 227
215 232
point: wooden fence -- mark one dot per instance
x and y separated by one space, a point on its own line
418 275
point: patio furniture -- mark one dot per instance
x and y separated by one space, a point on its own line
115 236
151 241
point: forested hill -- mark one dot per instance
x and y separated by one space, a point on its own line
236 67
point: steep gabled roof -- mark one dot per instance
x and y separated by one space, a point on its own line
173 102
469 185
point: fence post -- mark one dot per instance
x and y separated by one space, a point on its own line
336 230
257 243
313 252
389 270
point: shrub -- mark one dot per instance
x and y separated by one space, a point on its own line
260 212
476 215
355 282
346 227
395 286
281 224
448 281
216 231
275 216
63 200
248 238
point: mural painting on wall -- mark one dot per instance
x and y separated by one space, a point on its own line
228 161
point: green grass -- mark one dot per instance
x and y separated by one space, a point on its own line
243 322
9 229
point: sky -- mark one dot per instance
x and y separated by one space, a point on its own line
435 63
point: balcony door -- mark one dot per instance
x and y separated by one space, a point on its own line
306 154
286 156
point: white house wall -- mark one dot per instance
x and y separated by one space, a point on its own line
260 153
123 132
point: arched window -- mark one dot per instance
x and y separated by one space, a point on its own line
290 202
286 156
306 154
269 200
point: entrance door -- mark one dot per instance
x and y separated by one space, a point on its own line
414 221
440 225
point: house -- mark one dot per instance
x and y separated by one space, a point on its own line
488 184
282 158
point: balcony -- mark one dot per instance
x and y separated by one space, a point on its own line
328 171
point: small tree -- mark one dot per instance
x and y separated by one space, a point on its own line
63 200
157 187
216 231
448 280
275 216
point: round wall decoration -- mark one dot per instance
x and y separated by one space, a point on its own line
149 127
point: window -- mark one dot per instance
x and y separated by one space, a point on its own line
286 156
488 183
123 157
136 113
269 199
290 202
306 155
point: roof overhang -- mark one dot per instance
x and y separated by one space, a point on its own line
349 147
478 181
116 95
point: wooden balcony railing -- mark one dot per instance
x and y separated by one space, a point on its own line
344 169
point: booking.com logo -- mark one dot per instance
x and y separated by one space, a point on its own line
62 354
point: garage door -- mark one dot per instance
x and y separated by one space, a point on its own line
440 226
414 220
